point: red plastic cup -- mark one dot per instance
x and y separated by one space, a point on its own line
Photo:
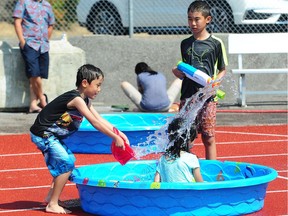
123 156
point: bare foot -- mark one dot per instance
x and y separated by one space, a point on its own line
60 203
36 109
57 209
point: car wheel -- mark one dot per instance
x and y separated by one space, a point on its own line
222 18
104 19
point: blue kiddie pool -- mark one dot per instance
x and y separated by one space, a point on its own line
231 188
136 126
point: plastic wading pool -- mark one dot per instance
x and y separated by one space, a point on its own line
230 188
136 126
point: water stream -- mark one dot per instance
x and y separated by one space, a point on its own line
158 141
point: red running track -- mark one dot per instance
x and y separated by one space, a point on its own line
25 179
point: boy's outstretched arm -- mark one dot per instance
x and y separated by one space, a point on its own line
107 123
105 128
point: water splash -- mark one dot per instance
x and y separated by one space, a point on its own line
231 85
158 141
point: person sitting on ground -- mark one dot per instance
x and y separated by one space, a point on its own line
152 95
177 164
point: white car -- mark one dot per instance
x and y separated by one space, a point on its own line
114 16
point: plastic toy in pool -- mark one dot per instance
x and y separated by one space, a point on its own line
230 188
136 126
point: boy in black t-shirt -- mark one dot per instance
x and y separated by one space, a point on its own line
60 118
206 53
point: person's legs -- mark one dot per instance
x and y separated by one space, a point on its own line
44 69
37 92
132 93
210 147
36 67
60 162
48 197
59 183
174 90
33 107
207 123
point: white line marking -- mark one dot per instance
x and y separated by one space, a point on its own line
278 191
32 187
251 156
246 142
282 171
21 210
20 154
23 169
218 143
29 169
257 134
282 177
252 142
223 157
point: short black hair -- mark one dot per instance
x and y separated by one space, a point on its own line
88 72
144 67
200 6
180 136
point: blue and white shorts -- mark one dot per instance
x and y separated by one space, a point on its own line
58 157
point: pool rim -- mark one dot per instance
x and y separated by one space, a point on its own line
144 185
85 126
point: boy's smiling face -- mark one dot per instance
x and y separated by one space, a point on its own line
91 90
197 22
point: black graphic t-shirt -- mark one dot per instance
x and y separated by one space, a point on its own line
208 55
57 119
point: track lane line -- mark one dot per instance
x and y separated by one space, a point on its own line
247 142
255 134
33 168
221 157
249 156
22 210
282 177
277 191
222 143
20 154
32 187
24 169
196 144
